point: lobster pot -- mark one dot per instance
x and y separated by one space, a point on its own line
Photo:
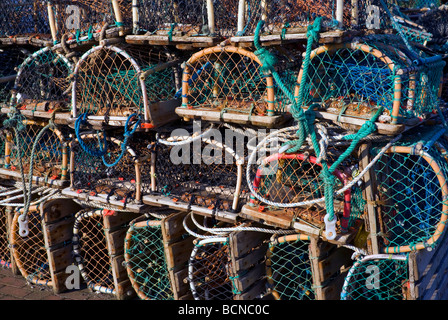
10 59
411 186
289 269
288 190
42 84
377 277
204 176
82 19
111 83
289 17
39 150
24 19
208 270
98 244
351 83
174 18
228 84
113 176
41 242
145 260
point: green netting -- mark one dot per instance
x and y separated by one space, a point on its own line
145 261
119 81
414 4
360 79
381 277
412 189
291 185
230 79
288 268
35 143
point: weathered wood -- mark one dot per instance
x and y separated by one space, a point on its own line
58 232
245 280
340 258
177 249
9 218
428 271
369 193
276 218
247 119
178 253
253 292
57 209
115 241
243 243
118 219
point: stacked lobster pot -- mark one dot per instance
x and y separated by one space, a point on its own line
225 150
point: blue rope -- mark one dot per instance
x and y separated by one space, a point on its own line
82 119
127 134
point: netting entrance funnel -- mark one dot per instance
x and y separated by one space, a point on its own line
288 268
228 84
110 83
377 277
412 188
374 79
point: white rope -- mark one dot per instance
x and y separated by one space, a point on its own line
223 231
319 200
182 140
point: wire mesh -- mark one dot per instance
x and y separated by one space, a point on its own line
377 277
230 80
24 18
412 192
145 260
117 173
42 82
288 268
358 80
119 81
29 251
38 145
91 252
